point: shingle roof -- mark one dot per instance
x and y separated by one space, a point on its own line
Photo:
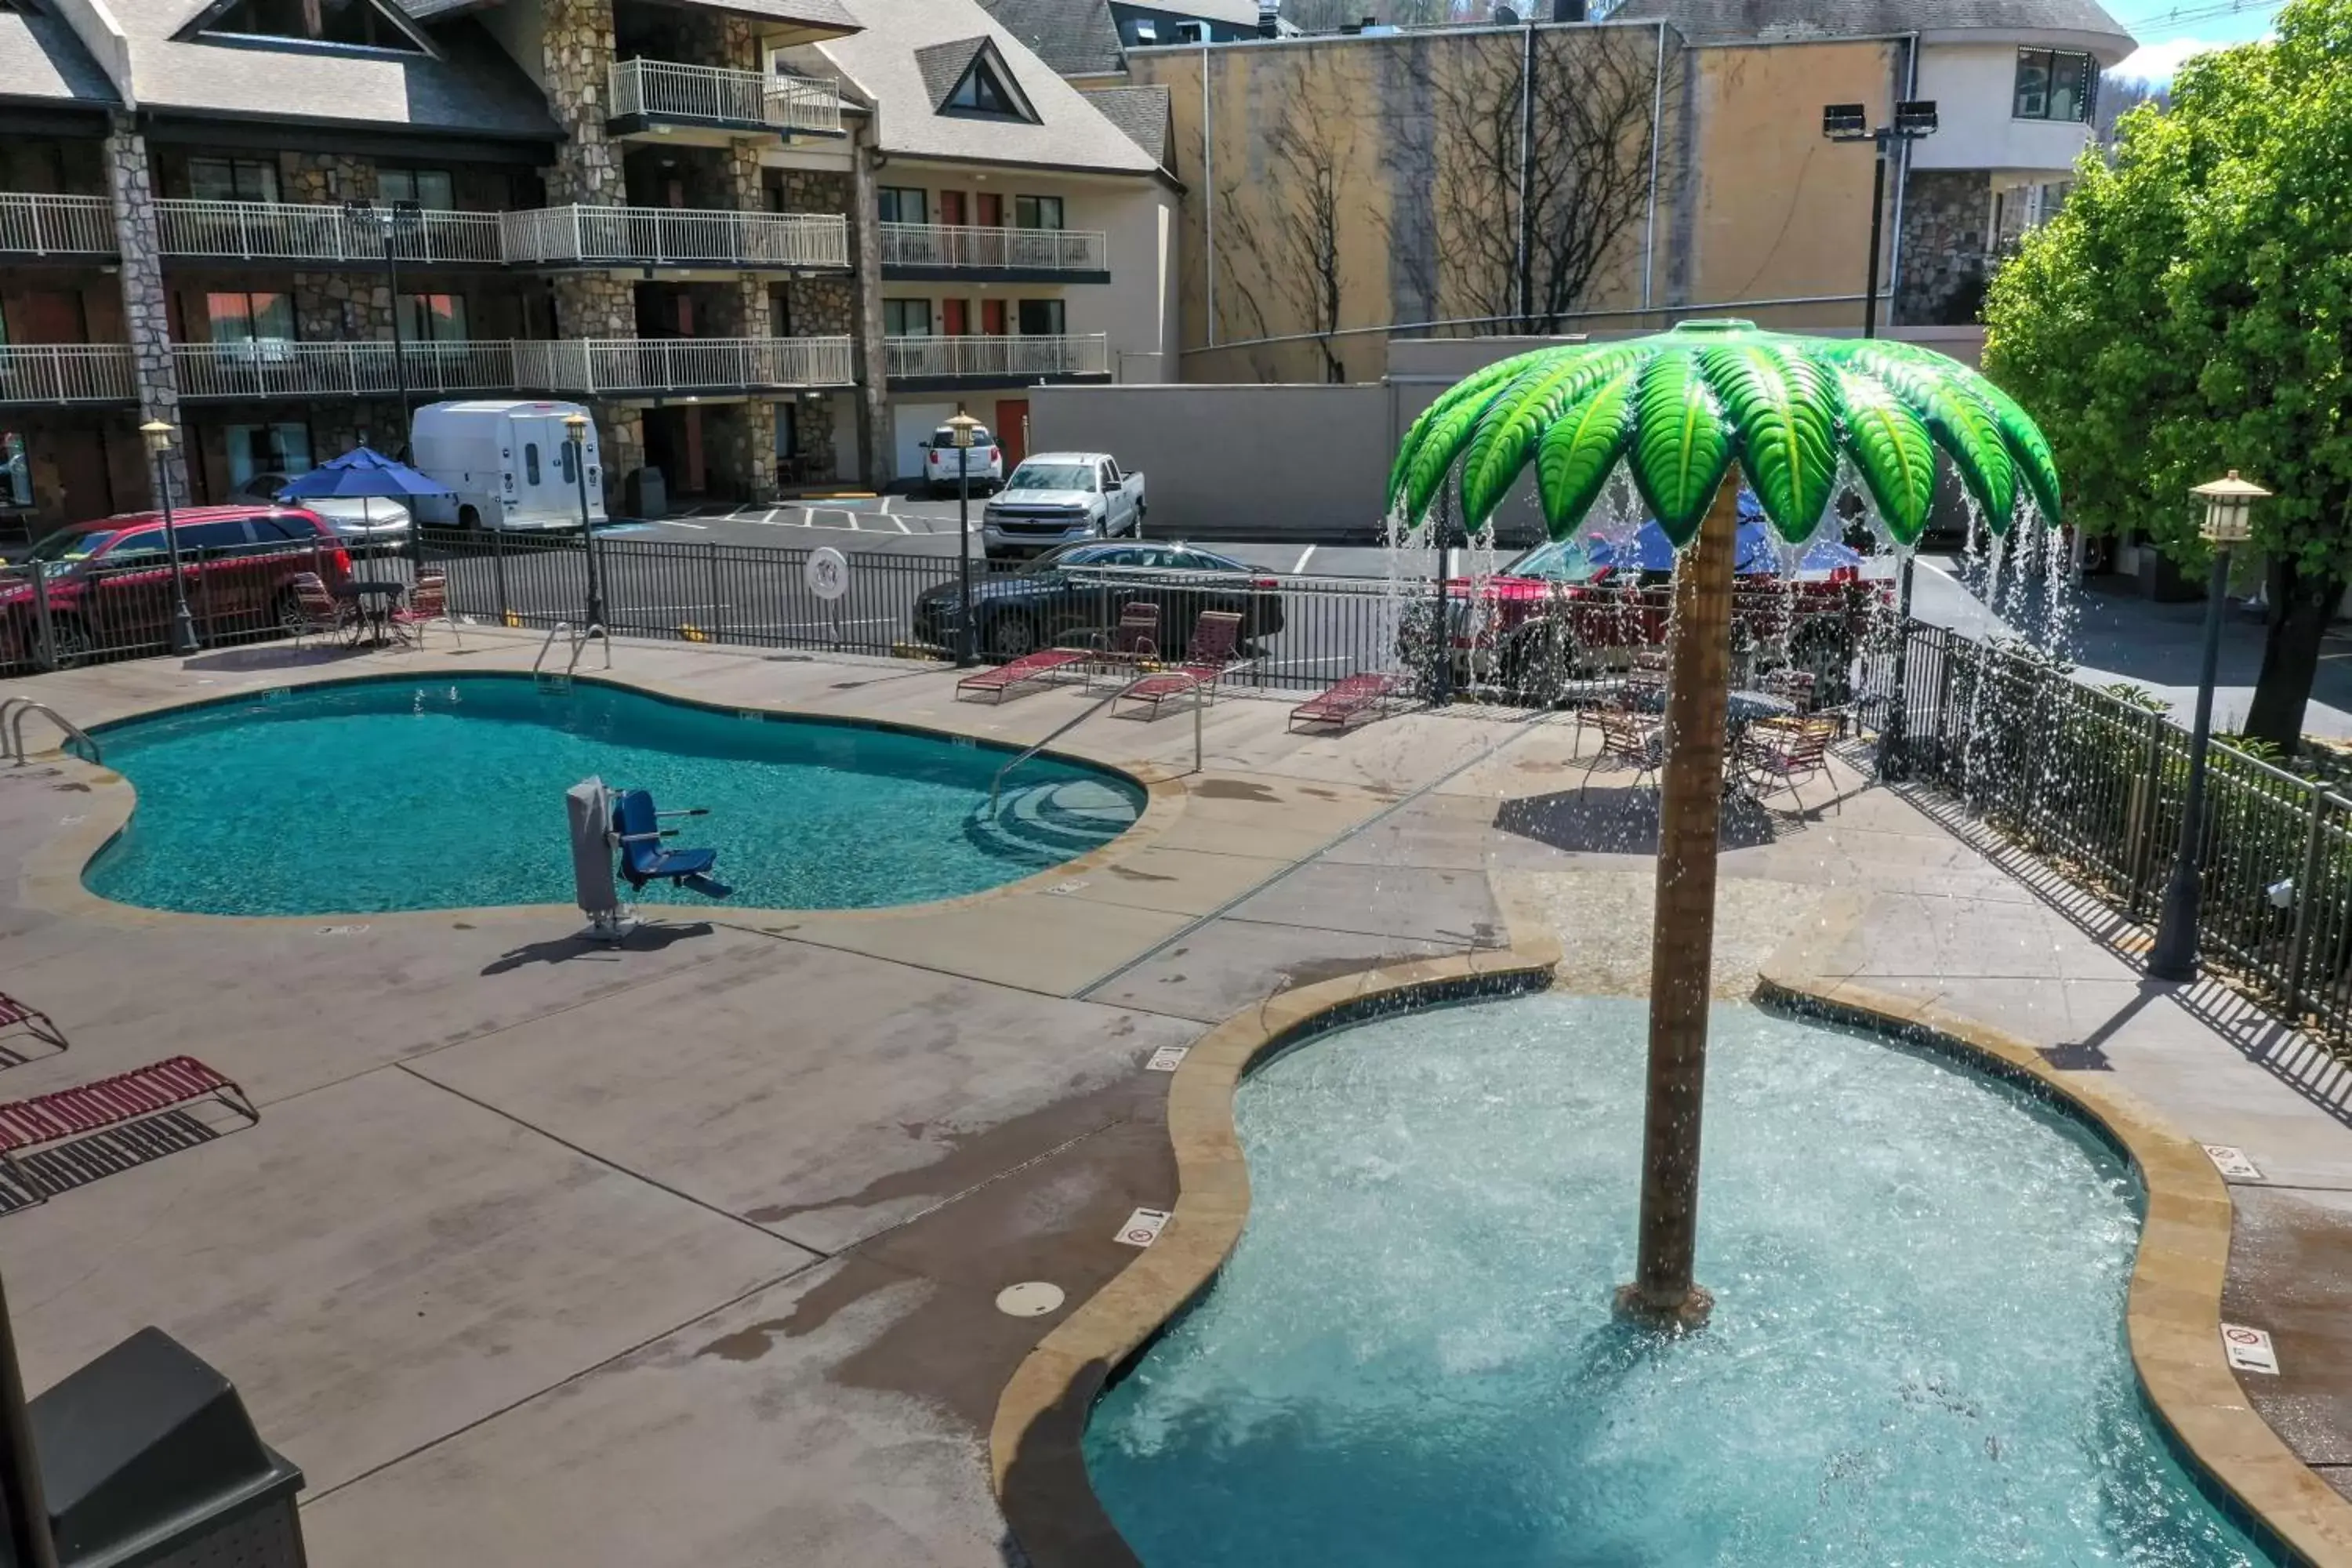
472 88
1076 37
1715 20
42 61
1141 112
943 64
882 64
807 13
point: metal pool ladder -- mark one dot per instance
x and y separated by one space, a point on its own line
14 711
550 681
996 784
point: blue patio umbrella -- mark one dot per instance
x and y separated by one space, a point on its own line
362 472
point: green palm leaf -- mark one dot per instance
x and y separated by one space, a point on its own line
1681 445
1506 436
1573 460
1961 423
1891 446
1787 422
1435 439
2027 447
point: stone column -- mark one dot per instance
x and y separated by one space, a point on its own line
576 61
869 360
130 179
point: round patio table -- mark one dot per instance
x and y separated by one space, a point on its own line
375 597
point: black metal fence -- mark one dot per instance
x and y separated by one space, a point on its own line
2095 780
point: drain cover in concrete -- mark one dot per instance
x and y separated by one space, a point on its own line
1030 1299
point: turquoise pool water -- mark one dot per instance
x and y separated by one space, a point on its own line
384 795
1916 1356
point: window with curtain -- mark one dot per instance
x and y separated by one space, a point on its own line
904 204
2055 84
430 188
433 318
1041 318
1036 212
280 448
232 179
247 317
906 318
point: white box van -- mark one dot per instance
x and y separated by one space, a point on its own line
510 462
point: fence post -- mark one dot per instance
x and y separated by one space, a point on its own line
717 613
2306 888
2151 812
498 569
43 630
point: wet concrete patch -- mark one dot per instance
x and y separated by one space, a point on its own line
2291 1274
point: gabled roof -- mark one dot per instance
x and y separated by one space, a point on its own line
42 62
1076 37
824 14
901 64
1722 21
1144 114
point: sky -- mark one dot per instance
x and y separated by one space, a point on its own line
2170 33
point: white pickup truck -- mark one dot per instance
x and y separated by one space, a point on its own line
1056 497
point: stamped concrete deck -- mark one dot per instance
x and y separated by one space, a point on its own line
687 1251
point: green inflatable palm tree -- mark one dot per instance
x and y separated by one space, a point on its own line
1684 411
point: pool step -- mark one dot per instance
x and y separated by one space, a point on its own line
1049 822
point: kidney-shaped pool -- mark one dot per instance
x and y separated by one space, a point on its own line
377 795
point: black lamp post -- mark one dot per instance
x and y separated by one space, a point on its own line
184 625
2229 506
387 225
1913 119
575 427
962 426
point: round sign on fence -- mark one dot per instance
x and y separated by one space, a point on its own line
827 572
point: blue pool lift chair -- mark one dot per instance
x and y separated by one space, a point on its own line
636 828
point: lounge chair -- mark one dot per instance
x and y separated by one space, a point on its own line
127 1097
1781 753
1215 637
637 827
1029 667
427 602
1342 704
16 1014
1629 739
316 612
1130 645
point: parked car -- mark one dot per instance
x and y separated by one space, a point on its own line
109 581
1056 497
378 517
985 458
1570 608
1080 588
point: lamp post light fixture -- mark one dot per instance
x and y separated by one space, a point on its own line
575 430
2229 513
961 429
158 436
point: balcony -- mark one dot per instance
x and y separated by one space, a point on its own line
652 367
674 238
49 374
707 104
1010 361
67 227
961 253
293 231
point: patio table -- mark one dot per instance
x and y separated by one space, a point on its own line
376 599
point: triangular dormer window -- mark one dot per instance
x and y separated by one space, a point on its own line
348 24
977 81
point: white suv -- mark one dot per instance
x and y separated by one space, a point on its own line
986 457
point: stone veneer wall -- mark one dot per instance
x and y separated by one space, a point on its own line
738 446
1942 279
576 63
868 357
342 307
130 177
328 178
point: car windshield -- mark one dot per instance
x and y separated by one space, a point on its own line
1052 477
1079 555
1562 561
70 545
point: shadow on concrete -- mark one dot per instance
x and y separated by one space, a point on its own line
1622 821
2270 1042
566 950
270 655
1053 1519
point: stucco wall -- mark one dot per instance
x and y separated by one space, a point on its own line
1974 87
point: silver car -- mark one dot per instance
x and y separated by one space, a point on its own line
353 517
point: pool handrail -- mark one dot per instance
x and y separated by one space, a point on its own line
14 711
996 784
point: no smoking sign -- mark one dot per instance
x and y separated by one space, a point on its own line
1144 1227
2248 1349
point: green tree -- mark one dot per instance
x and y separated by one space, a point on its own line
2190 310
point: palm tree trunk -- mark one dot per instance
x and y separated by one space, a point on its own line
1690 808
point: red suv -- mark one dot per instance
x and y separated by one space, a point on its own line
109 581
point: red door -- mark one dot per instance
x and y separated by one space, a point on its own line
990 209
952 318
951 207
992 316
1013 429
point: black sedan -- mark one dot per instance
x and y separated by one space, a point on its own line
1078 589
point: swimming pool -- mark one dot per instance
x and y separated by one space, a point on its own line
1917 1354
369 797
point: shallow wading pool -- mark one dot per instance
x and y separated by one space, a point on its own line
1916 1355
368 797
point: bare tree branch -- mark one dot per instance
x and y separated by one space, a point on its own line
1295 239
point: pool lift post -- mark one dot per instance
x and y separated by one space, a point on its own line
588 805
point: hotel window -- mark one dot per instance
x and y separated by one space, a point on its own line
265 449
904 204
1041 318
355 22
232 179
250 318
1036 212
431 189
906 318
433 318
2055 84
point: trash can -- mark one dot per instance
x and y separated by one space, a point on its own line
148 1460
646 494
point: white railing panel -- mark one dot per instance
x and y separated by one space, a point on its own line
1015 354
43 225
672 236
66 372
662 89
965 245
296 231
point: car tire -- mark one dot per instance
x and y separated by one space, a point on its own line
1010 636
69 643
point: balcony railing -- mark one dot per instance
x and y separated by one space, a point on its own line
296 231
39 225
948 245
1021 357
275 368
624 365
659 89
66 372
676 238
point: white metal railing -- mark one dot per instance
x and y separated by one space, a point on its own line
275 368
681 364
961 245
675 236
1019 355
662 90
297 231
66 372
40 225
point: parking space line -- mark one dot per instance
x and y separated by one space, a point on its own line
902 525
853 519
1303 556
697 527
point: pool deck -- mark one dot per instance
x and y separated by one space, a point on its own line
687 1251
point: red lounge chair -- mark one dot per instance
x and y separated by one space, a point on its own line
1211 657
109 1102
1029 667
32 1020
1342 704
427 602
1132 644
